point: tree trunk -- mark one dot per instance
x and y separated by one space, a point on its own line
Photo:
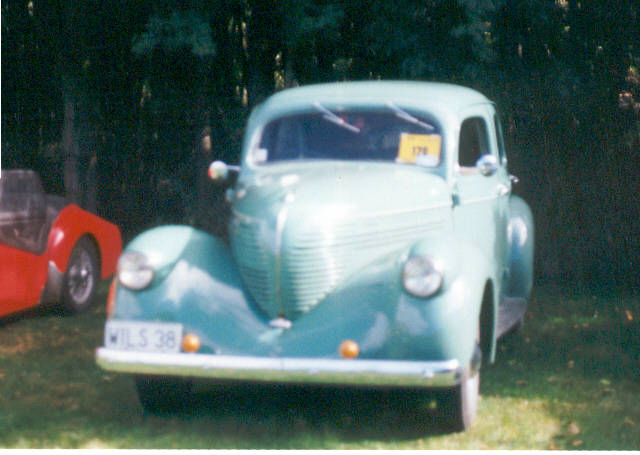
80 161
70 147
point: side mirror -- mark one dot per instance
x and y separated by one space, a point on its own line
487 165
219 171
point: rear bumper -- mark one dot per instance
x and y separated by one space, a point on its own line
357 372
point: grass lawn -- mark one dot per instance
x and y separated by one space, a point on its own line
569 380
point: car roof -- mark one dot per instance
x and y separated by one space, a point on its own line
408 93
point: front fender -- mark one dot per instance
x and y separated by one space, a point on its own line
196 284
70 225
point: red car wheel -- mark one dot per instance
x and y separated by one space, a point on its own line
82 277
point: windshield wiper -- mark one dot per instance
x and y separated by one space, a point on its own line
404 115
333 118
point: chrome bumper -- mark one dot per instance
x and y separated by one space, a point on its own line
357 372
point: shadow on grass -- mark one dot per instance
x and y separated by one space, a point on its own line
46 310
578 358
585 336
572 371
289 410
28 314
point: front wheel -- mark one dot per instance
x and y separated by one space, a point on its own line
461 403
81 279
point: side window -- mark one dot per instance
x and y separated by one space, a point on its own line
473 141
500 139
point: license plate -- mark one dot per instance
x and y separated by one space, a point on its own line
143 336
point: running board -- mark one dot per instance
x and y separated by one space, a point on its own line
510 314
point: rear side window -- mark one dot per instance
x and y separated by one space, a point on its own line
473 141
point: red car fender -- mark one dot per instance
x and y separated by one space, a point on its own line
71 224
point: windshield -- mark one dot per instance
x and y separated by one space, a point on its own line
392 135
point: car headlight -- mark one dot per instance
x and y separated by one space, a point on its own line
421 277
134 270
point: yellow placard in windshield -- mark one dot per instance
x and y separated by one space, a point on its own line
420 148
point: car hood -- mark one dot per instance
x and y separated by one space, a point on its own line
297 232
341 189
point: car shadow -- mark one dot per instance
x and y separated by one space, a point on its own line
28 314
353 413
52 309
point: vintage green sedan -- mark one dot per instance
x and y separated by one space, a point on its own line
373 242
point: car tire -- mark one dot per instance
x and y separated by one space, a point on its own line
461 403
81 279
163 395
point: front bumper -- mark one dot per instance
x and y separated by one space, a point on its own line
356 372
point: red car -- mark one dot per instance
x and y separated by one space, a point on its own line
50 251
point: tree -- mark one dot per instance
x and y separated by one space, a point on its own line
138 90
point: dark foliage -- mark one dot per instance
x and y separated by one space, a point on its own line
113 101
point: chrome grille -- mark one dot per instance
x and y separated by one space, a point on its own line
255 262
317 258
316 263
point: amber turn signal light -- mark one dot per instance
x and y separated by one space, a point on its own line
349 349
190 343
111 297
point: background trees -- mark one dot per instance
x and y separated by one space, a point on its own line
115 103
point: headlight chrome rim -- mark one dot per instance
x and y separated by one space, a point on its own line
421 277
134 271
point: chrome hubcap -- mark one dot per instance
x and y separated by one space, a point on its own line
81 277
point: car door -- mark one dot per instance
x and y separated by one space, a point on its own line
481 199
22 279
23 231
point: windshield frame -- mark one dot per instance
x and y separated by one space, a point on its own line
426 120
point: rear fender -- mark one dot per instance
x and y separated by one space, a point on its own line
520 233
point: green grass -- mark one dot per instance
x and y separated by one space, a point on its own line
569 380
